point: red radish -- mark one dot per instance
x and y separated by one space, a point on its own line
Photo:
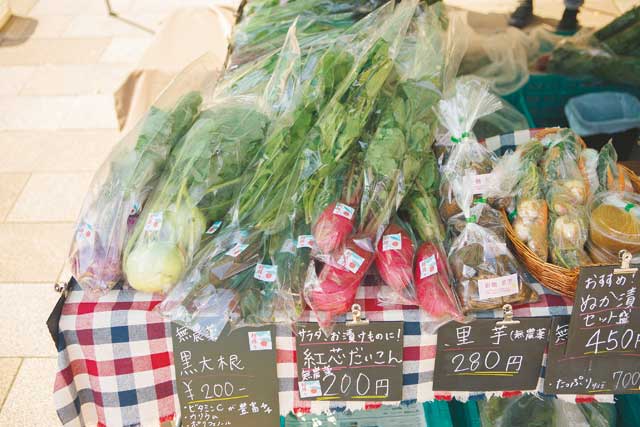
336 288
394 260
333 226
434 292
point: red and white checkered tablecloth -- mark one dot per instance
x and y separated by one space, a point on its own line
115 354
115 359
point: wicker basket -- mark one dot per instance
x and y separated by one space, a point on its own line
559 279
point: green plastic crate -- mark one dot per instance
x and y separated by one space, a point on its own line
543 97
436 414
628 407
465 414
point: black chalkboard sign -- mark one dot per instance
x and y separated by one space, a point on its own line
358 362
230 382
486 356
605 318
591 374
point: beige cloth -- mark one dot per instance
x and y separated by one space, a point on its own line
186 35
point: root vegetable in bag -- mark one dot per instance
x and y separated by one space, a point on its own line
434 293
333 291
394 261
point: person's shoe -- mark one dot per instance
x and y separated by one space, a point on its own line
569 22
523 15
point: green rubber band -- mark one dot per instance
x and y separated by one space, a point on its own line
472 218
463 136
512 215
629 206
481 200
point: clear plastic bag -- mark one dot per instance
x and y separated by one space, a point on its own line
485 216
611 175
200 301
334 138
406 123
433 282
566 196
204 176
531 216
395 254
614 225
122 185
263 26
332 291
588 163
315 136
501 58
486 273
269 202
529 410
458 114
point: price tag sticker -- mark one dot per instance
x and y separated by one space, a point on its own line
214 227
343 210
154 222
260 340
480 183
289 246
309 389
392 242
306 241
428 267
85 232
352 261
266 273
237 249
498 286
135 208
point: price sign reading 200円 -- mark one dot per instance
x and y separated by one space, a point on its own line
357 363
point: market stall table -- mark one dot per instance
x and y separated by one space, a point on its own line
115 358
115 353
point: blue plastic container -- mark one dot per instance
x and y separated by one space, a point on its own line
543 97
603 113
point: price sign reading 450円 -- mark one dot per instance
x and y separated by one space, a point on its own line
605 317
485 355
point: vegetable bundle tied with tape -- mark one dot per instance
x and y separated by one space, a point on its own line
487 275
114 202
204 177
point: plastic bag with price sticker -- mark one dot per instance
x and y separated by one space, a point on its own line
465 157
123 183
416 274
486 274
205 174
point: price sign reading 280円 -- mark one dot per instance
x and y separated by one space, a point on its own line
486 356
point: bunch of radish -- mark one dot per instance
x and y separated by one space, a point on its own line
332 291
417 275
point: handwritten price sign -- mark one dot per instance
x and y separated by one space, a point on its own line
230 382
485 356
604 319
362 362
